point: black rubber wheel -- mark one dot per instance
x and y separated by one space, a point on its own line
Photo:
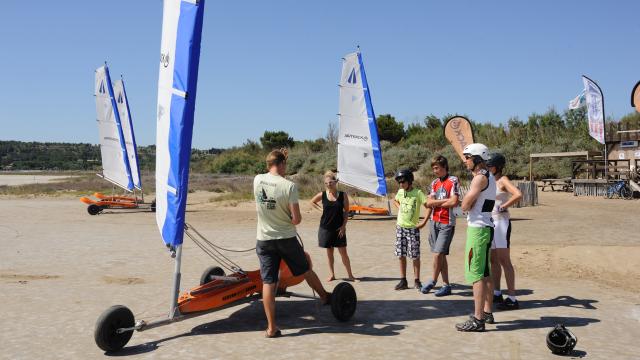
94 209
153 206
115 317
626 193
211 271
343 301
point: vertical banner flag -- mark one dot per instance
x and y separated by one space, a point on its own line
577 102
595 109
635 97
459 132
178 78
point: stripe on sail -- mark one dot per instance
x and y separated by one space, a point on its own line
359 156
127 129
178 76
115 161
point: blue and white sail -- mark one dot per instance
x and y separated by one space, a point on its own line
359 154
127 129
179 59
115 161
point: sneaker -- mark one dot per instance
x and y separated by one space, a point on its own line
472 324
426 288
498 299
508 304
488 318
443 291
402 285
417 284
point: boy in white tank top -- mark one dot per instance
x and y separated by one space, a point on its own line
478 202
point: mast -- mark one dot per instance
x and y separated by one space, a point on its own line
177 84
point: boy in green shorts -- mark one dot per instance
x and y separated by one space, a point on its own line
409 200
478 203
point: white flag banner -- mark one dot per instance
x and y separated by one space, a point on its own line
577 102
595 109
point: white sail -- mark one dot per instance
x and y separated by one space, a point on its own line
127 129
359 155
177 83
115 162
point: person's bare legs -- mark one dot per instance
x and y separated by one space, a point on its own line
403 267
416 268
440 266
330 258
504 259
496 270
269 303
488 295
479 298
346 262
314 282
444 270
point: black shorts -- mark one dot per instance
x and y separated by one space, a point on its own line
329 238
271 252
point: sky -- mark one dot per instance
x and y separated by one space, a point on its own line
275 65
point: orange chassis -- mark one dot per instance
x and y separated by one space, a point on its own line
111 202
224 290
358 209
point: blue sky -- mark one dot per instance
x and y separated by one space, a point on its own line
275 65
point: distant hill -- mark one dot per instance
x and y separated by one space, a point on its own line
19 155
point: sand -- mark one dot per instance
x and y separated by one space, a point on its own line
26 179
577 262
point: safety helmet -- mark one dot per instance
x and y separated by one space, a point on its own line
477 149
560 340
405 174
497 160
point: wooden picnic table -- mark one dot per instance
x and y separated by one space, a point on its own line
564 184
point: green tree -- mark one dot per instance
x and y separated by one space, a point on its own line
389 129
275 140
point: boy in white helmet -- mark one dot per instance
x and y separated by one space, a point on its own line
478 203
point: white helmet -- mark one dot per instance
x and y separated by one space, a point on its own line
477 149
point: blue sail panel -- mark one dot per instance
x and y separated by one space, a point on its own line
179 60
373 129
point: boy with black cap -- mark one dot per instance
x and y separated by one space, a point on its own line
409 200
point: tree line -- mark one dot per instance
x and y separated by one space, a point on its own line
403 146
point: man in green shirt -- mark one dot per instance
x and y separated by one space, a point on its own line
409 200
278 214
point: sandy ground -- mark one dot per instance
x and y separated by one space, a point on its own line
25 179
577 262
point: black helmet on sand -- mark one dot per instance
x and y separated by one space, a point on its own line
560 340
404 174
497 160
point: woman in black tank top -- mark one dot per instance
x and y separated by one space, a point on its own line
333 223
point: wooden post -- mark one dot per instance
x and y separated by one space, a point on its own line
530 169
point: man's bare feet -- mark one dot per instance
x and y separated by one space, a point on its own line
331 278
